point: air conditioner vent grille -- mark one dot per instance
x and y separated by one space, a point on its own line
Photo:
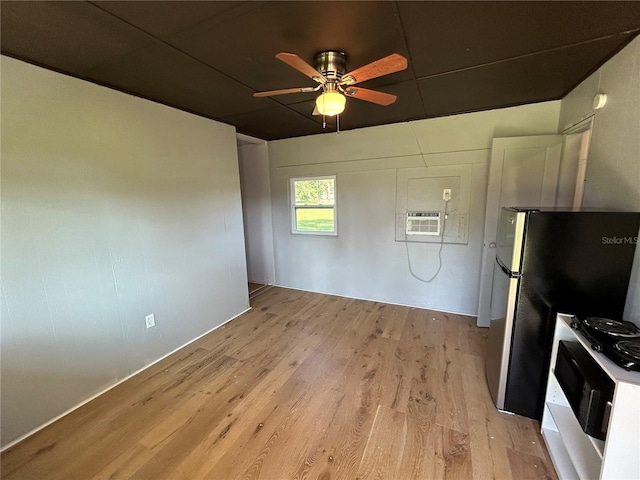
423 223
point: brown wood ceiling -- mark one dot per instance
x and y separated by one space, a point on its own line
209 57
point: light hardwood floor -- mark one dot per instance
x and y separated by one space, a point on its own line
304 386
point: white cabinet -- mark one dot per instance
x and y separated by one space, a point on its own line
577 455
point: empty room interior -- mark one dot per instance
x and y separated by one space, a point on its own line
323 240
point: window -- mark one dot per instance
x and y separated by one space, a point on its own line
313 205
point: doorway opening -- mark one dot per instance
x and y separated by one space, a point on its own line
255 189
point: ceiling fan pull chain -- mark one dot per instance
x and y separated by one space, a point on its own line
324 117
338 124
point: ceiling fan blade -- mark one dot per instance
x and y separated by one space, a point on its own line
296 62
390 64
372 96
283 91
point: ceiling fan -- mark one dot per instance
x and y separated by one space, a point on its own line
336 85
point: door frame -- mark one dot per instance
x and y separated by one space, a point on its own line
584 127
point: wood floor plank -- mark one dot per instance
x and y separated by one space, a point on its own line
304 386
488 438
124 466
487 454
524 435
389 320
300 440
369 361
473 338
217 456
457 458
529 467
367 380
240 418
235 337
385 446
339 452
312 320
423 456
290 431
172 452
330 359
415 355
429 351
422 401
451 410
164 428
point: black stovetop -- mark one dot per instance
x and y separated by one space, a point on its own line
617 339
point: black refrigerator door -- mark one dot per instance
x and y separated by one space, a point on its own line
530 353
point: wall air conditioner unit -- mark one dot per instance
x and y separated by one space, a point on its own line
423 223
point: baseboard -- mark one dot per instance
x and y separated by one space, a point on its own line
260 290
93 397
376 300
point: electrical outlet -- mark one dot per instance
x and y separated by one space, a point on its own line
150 320
446 194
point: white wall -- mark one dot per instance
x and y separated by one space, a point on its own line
613 169
365 260
113 207
256 207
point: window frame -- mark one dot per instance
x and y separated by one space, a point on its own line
293 207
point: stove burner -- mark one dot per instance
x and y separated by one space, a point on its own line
617 339
629 347
613 328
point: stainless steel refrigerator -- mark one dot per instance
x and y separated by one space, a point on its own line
550 261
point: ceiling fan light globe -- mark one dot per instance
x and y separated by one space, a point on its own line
331 103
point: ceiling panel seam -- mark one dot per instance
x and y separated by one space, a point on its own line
406 46
167 44
529 55
164 42
623 44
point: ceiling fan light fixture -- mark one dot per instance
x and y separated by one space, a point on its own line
331 103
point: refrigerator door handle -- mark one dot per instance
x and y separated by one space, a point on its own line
506 271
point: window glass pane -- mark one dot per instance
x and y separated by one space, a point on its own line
315 192
314 219
313 205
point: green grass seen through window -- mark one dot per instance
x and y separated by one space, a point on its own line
314 219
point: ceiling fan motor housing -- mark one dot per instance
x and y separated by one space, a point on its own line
332 65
